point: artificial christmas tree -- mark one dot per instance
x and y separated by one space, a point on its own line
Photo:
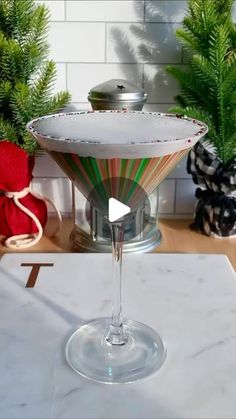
208 93
26 84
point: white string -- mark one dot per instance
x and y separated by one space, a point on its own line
22 241
57 228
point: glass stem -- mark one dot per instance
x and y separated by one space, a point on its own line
116 334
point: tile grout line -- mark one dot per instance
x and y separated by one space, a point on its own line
144 11
65 11
142 65
143 79
120 63
66 75
148 103
114 22
105 42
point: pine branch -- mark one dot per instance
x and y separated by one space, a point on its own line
208 86
22 19
19 14
181 102
30 145
187 39
38 30
11 62
7 131
21 108
26 77
41 89
57 103
192 91
195 112
5 92
219 47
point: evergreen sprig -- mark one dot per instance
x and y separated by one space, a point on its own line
26 76
208 81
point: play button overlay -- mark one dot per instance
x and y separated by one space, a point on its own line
116 210
117 200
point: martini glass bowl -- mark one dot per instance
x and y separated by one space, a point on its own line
121 155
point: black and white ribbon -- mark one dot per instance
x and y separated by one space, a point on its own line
215 213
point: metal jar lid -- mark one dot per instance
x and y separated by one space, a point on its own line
117 90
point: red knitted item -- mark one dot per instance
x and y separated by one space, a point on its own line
16 168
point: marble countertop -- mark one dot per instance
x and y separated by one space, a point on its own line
189 299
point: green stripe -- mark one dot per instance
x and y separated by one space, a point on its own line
141 168
87 167
96 170
90 165
130 166
75 169
72 165
138 176
124 164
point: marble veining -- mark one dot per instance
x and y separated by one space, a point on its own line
212 345
189 299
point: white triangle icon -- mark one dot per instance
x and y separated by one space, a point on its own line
116 209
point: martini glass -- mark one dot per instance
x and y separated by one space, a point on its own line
123 155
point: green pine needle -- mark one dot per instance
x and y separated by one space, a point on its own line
27 78
7 131
208 82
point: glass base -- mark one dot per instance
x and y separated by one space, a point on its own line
92 356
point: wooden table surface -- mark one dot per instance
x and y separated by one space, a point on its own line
176 238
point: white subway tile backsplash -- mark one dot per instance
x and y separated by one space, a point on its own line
166 197
58 190
180 172
82 77
160 86
46 167
156 107
56 8
185 196
137 43
234 11
77 42
78 106
105 11
165 11
148 107
61 82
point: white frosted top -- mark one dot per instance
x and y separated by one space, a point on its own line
116 134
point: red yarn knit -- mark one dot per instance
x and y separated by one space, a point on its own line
16 168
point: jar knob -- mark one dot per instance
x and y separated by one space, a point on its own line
120 86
